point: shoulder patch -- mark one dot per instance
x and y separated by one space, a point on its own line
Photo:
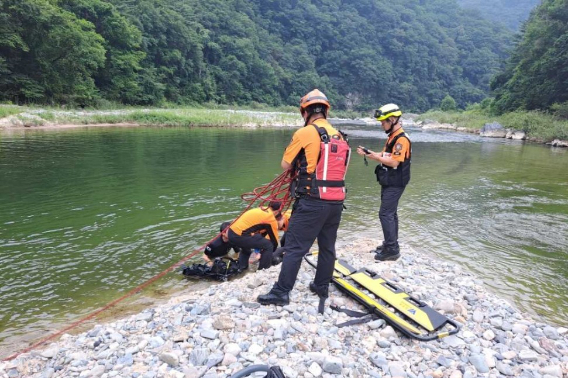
398 147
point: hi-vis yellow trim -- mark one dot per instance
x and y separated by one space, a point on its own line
379 307
341 269
397 300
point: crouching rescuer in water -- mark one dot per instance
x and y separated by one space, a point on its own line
318 156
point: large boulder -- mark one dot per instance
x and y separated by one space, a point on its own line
516 135
370 121
558 143
493 130
439 126
408 121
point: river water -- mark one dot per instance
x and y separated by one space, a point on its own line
88 214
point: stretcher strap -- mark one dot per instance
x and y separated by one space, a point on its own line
364 317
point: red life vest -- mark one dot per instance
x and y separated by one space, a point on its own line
327 182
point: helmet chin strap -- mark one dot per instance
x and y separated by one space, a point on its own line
307 119
392 124
310 115
390 129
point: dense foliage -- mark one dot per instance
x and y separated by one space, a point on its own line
47 53
536 75
360 52
509 12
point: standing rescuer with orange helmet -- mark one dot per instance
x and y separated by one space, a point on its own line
318 155
393 174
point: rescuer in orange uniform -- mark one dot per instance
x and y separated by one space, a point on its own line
219 246
249 231
393 174
318 155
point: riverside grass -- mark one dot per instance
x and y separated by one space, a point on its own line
8 110
537 125
183 116
193 117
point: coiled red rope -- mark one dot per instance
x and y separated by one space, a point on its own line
276 190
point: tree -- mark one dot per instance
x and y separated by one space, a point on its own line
448 104
49 55
251 51
510 12
117 79
536 74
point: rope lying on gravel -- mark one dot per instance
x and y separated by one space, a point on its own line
276 190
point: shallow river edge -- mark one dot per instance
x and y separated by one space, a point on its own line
220 330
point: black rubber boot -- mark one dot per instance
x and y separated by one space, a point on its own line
273 298
313 288
323 294
388 254
277 256
379 249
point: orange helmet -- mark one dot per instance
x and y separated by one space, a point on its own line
314 97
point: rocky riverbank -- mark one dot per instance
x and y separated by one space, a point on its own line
61 119
489 130
220 330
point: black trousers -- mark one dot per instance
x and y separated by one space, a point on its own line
390 195
247 243
310 219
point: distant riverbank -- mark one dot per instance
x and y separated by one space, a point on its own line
15 117
532 126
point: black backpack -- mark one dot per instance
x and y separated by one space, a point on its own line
222 269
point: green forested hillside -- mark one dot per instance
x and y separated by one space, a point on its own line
509 12
360 52
536 75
